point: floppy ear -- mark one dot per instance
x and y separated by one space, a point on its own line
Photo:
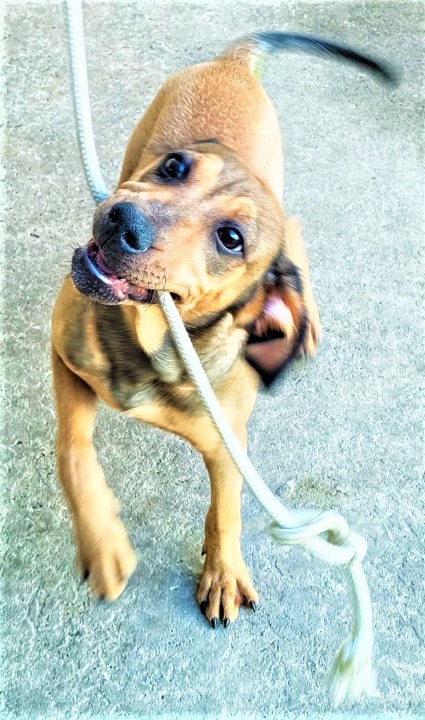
278 330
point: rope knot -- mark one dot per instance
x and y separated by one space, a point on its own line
325 534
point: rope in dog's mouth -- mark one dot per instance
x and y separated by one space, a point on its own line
324 534
121 287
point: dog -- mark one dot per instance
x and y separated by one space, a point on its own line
197 212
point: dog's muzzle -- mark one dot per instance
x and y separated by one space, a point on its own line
106 269
124 229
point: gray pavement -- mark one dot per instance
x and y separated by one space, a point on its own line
344 432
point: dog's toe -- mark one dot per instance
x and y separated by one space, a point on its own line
225 585
107 557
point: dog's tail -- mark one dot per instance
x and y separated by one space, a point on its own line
255 48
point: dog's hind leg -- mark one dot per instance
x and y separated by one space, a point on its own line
104 553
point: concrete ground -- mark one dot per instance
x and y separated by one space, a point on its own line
343 432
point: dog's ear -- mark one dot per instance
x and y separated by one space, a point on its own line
278 329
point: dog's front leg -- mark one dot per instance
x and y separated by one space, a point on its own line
225 582
104 554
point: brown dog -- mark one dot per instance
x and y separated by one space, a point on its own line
196 212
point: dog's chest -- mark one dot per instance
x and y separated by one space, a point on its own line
102 346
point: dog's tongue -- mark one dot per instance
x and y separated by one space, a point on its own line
119 286
103 266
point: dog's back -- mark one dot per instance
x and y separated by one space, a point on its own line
225 99
220 99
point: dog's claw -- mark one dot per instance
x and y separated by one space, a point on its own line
85 576
226 622
214 622
253 605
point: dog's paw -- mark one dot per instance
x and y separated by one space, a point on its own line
225 585
105 557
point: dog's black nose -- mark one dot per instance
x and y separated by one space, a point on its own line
126 228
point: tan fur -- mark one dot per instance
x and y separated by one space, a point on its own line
150 326
221 100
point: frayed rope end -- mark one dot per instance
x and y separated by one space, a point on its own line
352 675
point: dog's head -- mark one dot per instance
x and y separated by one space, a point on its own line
197 223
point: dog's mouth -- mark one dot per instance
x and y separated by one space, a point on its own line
93 277
121 288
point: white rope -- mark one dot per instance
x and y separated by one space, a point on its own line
324 534
74 23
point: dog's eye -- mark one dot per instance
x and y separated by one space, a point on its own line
230 239
174 167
